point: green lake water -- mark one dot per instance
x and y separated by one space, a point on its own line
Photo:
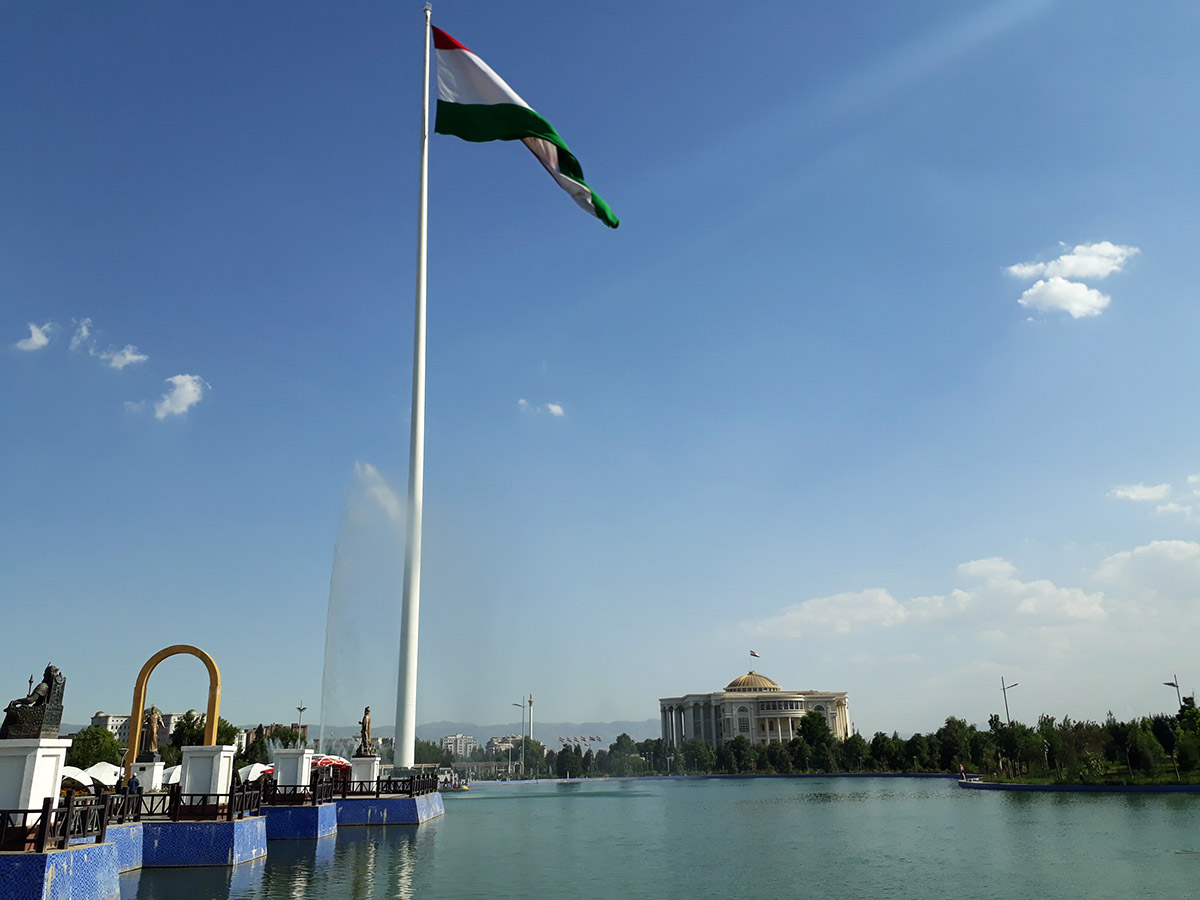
829 838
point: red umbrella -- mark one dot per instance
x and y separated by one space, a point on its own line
331 761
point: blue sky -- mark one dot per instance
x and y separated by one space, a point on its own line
888 373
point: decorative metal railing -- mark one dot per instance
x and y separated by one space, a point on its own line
79 818
410 786
242 801
50 828
320 791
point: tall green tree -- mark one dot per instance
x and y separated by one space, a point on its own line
698 757
814 728
800 754
741 754
189 732
853 753
429 753
93 745
534 754
779 759
623 757
954 743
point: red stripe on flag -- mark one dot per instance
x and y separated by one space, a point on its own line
443 41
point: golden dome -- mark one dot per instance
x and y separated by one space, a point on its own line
752 681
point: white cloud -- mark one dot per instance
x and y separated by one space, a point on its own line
1047 600
554 409
1002 601
1162 577
1078 648
119 359
135 407
1097 260
1002 590
1141 492
186 391
839 614
83 333
994 567
39 337
1072 297
1194 483
1182 509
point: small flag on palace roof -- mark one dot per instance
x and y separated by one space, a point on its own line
753 653
476 104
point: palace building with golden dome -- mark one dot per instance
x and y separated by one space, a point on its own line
752 706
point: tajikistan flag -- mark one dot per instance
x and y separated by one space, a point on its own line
475 104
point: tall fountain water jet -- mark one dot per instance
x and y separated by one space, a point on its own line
362 628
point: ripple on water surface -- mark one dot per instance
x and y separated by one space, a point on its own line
750 838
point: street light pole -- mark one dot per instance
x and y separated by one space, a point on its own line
522 760
1175 684
300 723
1004 689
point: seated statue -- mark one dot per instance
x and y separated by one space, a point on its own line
39 714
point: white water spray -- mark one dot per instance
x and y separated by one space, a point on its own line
362 628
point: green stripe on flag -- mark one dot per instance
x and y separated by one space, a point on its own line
509 122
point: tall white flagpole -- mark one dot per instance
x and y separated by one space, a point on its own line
406 693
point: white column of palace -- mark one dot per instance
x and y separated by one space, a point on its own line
752 706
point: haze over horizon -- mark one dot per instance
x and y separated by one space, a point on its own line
888 373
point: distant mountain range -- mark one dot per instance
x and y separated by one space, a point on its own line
546 732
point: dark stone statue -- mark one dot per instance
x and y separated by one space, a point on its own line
365 746
38 715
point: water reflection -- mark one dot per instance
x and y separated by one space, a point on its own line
378 861
292 866
210 882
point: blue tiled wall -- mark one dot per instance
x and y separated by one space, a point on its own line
203 843
389 810
291 822
128 839
84 872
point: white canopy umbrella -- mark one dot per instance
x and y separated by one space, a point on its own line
171 774
75 774
254 771
105 773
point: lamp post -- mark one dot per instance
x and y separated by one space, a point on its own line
1175 684
1004 689
522 761
300 723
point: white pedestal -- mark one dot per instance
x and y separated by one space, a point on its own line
293 765
207 770
150 774
30 771
364 768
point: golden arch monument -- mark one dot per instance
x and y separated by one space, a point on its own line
139 698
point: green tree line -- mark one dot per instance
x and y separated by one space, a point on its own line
1152 748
